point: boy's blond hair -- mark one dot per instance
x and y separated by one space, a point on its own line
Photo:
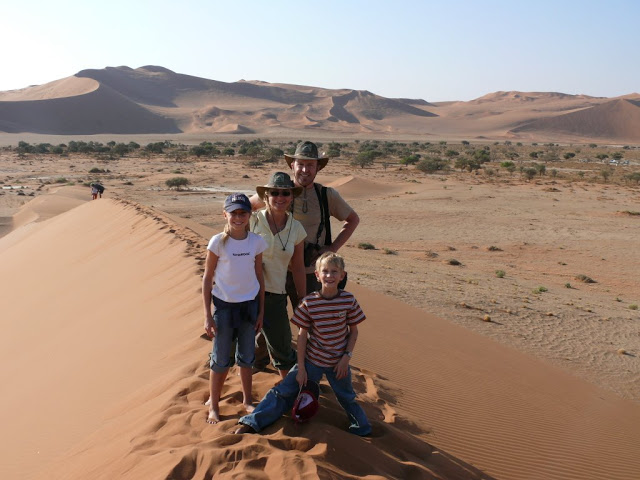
330 258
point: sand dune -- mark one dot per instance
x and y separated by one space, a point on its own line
104 373
67 87
102 110
617 119
153 99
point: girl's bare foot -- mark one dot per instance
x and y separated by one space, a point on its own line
214 416
249 407
242 428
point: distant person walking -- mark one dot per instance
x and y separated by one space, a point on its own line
234 261
285 239
96 189
313 209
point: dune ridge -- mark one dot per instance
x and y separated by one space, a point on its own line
445 402
154 99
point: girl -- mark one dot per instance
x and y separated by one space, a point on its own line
285 238
235 257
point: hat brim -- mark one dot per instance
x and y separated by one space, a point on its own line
262 191
322 161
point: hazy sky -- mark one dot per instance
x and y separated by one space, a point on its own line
434 50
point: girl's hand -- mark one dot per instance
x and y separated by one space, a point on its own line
301 376
342 368
259 321
210 326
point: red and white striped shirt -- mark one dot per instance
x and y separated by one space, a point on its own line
327 322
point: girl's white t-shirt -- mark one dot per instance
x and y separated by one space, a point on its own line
235 276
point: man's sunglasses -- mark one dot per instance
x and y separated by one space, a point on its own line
277 193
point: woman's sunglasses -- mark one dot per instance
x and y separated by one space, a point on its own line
277 193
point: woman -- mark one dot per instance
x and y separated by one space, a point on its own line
285 238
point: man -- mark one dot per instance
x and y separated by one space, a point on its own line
307 209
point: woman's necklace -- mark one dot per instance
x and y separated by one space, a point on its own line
275 227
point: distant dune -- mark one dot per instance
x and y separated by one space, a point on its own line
153 99
619 119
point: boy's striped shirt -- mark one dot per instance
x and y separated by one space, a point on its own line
327 322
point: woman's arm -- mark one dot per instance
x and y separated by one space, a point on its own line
297 270
207 285
260 277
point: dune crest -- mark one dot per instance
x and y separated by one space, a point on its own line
154 99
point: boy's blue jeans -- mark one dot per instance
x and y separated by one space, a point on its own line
280 399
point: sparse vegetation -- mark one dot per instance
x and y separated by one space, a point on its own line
366 246
500 273
584 278
177 182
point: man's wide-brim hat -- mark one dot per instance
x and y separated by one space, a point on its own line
307 151
279 180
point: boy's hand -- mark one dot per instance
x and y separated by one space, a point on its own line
259 321
301 376
342 368
210 326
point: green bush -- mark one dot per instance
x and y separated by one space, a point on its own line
177 182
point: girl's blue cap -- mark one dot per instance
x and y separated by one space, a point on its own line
237 201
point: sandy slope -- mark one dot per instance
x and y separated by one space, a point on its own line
105 374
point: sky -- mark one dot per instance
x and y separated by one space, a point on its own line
432 50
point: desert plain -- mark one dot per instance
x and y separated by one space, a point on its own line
502 337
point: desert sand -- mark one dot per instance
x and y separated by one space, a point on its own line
463 374
155 100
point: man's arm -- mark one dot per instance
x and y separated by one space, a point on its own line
348 227
256 202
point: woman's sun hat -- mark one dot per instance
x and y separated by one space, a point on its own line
279 180
306 405
307 151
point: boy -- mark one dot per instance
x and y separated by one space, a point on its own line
328 321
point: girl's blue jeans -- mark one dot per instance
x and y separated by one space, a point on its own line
280 399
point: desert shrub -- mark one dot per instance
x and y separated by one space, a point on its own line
97 170
388 251
633 306
229 152
432 164
177 182
567 285
529 173
540 289
453 261
61 180
500 273
584 278
363 159
410 159
633 177
255 163
366 246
